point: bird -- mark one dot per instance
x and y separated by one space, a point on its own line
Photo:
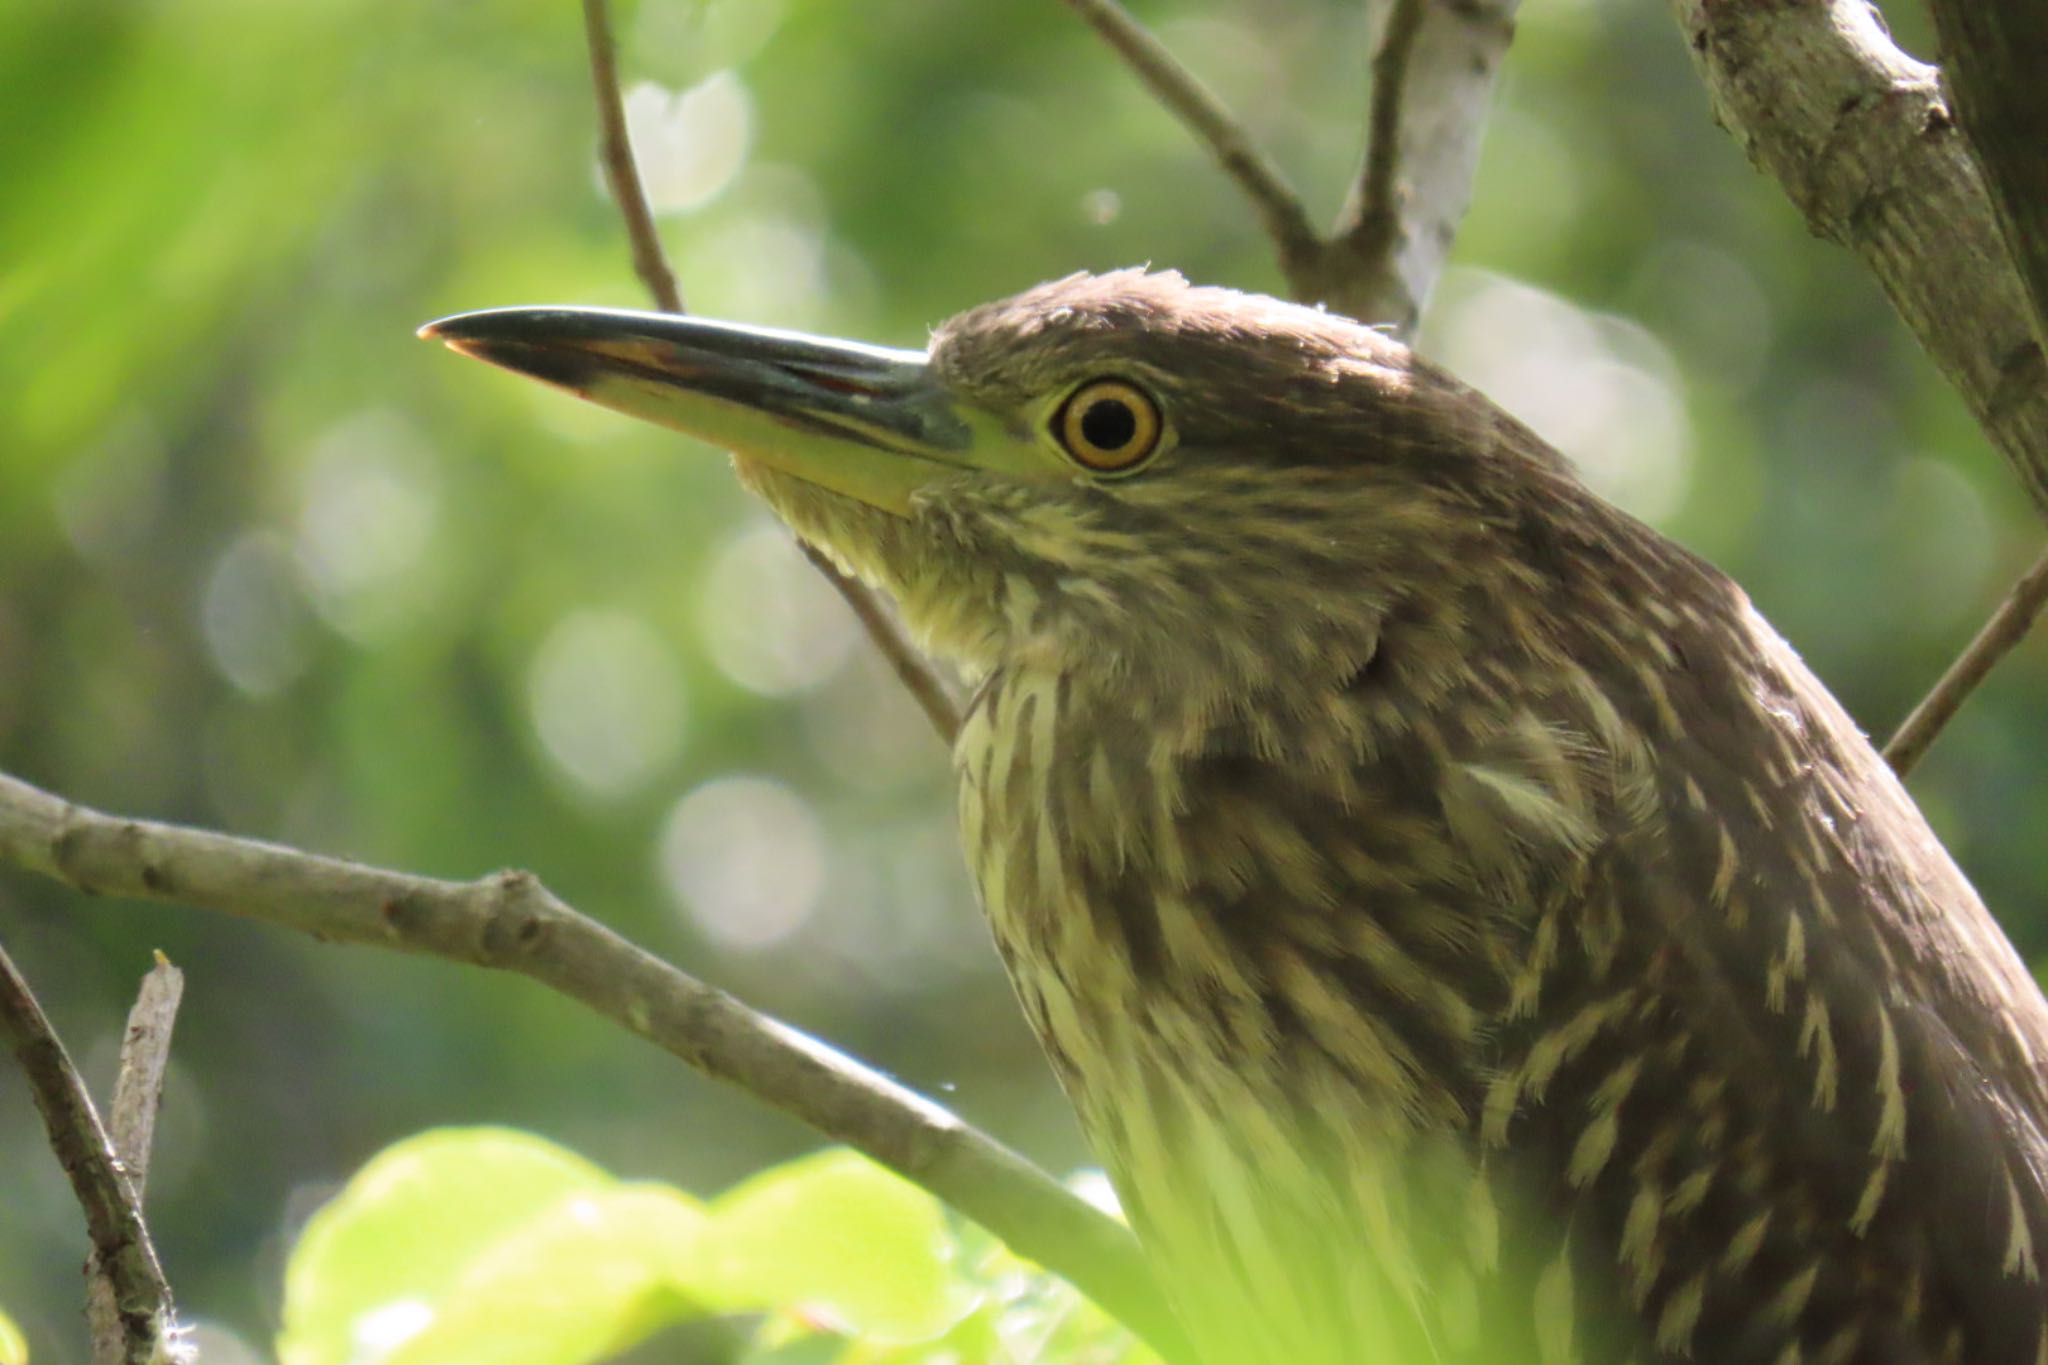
1465 930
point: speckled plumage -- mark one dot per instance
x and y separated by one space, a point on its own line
1466 931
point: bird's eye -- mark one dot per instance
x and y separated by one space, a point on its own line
1108 425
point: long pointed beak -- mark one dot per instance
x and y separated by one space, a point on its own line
863 421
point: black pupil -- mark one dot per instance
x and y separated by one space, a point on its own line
1109 424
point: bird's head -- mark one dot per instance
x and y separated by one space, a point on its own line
1161 482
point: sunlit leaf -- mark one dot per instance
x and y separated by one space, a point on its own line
582 1280
377 1262
13 1345
841 1241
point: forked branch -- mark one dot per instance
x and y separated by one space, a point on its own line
1432 89
1433 76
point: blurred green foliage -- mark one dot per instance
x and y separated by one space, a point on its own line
270 564
491 1246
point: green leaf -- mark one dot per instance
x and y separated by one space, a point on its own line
841 1242
13 1345
377 1262
491 1246
583 1280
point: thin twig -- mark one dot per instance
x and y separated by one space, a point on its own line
510 922
1194 104
1378 212
621 172
145 1056
2008 625
131 1120
912 669
122 1251
650 262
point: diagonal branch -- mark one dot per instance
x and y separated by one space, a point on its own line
1215 127
122 1250
1860 138
917 675
650 262
2008 625
510 922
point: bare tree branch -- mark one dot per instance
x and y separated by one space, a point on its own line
1185 96
650 262
510 922
122 1251
145 1054
1432 88
1995 53
1433 77
621 172
2008 625
1859 136
912 669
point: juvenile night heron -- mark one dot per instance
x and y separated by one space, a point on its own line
1465 929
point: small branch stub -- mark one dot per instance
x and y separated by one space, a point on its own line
131 1127
135 1325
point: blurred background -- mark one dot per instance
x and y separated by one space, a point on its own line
268 563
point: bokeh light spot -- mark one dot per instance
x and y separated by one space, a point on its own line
369 501
1710 304
1601 390
689 143
108 499
1943 541
763 266
744 857
607 701
251 615
771 622
218 1344
383 1330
